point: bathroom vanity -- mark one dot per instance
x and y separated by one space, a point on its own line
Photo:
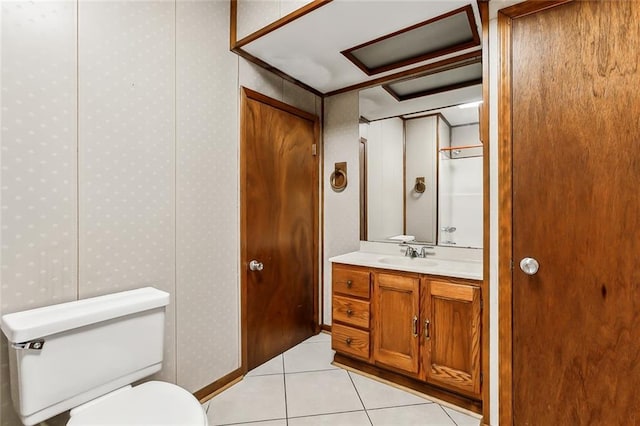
413 321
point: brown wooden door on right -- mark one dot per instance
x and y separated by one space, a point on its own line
451 321
395 321
576 209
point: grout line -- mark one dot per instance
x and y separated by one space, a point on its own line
402 406
251 422
284 381
328 414
314 371
359 397
448 415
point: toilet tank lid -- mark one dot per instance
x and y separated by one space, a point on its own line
40 322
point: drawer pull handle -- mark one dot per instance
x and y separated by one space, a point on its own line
349 283
427 332
414 327
349 312
348 341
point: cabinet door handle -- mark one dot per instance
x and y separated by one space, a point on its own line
349 312
426 329
349 283
348 341
414 327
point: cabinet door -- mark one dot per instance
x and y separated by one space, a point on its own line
451 335
395 317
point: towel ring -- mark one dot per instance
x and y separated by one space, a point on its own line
338 180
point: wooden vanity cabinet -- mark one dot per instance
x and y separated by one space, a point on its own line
419 330
350 332
396 304
451 321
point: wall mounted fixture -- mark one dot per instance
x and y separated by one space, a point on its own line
420 185
338 178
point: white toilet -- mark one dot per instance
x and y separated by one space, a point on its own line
84 355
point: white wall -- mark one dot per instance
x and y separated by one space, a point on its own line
461 194
117 147
385 175
341 209
421 140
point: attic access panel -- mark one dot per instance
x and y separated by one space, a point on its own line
467 73
451 32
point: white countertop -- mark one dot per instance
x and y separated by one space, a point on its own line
433 265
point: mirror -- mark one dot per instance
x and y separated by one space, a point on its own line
421 164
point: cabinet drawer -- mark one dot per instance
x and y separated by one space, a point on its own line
351 311
350 341
350 281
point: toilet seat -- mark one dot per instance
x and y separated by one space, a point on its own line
151 403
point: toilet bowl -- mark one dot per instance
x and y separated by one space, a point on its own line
151 403
83 356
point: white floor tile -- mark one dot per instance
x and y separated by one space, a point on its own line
273 366
462 419
379 395
322 337
253 399
424 415
282 422
320 392
356 418
309 357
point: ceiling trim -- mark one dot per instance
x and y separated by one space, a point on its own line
439 89
259 62
236 46
433 91
474 42
421 71
416 114
298 13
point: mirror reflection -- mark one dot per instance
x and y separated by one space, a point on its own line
421 164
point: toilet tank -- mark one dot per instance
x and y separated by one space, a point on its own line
63 355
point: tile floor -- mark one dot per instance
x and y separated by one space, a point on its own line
301 387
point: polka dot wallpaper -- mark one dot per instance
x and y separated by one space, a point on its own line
119 166
126 149
207 208
342 220
38 171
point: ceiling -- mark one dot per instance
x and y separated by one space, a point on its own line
309 47
376 103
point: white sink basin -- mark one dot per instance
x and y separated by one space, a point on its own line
407 261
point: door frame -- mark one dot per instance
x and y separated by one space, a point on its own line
505 199
246 95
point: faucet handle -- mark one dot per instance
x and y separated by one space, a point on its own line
425 253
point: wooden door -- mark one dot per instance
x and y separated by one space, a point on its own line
279 209
575 149
395 316
451 321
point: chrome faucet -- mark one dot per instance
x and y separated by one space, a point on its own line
413 252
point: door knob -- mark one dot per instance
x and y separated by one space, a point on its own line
529 265
254 265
